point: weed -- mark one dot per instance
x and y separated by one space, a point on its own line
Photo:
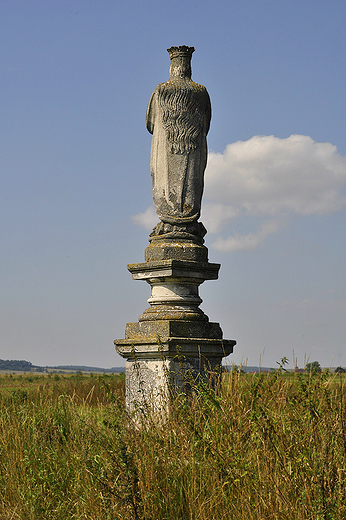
267 446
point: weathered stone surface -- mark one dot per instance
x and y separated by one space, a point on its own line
154 366
149 348
165 329
191 231
174 268
173 343
176 249
174 288
149 382
178 116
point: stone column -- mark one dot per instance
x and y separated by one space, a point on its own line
173 344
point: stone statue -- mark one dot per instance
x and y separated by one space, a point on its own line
178 116
173 343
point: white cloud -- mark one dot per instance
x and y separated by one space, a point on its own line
267 177
215 216
148 219
246 242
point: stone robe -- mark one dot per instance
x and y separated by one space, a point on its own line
178 116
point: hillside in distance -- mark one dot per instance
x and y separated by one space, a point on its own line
15 365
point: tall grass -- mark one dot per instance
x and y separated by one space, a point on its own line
263 447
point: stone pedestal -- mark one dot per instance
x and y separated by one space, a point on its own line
173 343
162 353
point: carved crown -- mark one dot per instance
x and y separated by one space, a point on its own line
181 51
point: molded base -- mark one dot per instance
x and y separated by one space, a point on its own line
165 353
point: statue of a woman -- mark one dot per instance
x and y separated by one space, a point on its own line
178 116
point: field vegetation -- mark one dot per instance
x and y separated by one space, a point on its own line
264 446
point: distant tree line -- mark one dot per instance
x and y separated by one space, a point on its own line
16 364
83 368
13 365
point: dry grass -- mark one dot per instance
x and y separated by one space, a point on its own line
264 447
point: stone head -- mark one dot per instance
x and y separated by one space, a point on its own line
180 61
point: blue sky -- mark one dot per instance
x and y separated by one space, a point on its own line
76 77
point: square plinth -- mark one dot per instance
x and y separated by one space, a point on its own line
174 269
165 354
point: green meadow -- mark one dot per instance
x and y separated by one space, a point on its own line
262 446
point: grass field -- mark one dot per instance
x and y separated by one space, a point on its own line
267 446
